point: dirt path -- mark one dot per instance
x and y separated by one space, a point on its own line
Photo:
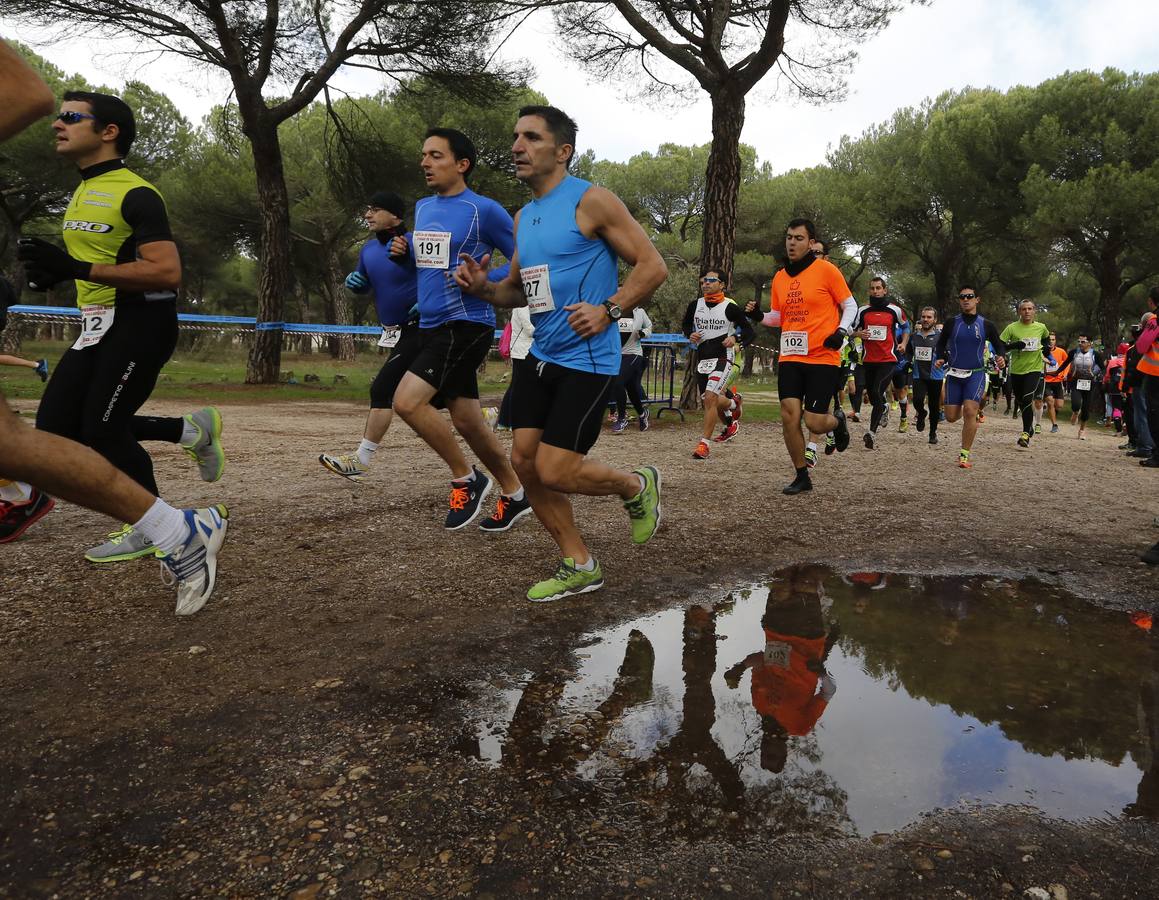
305 723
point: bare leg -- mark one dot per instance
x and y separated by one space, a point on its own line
377 424
467 416
714 405
412 401
969 423
68 470
6 360
552 508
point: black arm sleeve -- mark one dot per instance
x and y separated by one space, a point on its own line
144 210
689 324
1067 362
944 340
736 315
995 341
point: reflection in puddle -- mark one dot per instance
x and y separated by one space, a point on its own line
823 703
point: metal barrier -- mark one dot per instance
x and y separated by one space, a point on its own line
659 378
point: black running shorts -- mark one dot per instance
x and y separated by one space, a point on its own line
1054 390
398 363
450 357
566 404
813 384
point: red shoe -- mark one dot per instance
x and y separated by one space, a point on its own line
15 519
737 413
981 418
701 451
729 433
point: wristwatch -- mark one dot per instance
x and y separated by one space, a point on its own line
612 310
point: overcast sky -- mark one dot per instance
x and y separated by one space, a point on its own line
950 44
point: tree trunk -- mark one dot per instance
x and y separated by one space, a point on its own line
337 308
722 179
689 390
1110 278
275 277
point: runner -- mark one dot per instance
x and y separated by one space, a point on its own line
456 330
121 254
395 294
1027 342
877 325
961 351
188 540
928 378
1084 364
812 305
633 329
856 384
564 267
712 323
7 298
1113 386
1147 346
1054 394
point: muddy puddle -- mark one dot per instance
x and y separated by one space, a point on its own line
826 704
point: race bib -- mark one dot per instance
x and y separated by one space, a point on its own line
1033 344
794 343
923 354
432 249
961 373
95 321
627 323
390 335
1083 384
706 366
537 289
878 332
777 654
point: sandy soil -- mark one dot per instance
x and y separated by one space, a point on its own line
309 747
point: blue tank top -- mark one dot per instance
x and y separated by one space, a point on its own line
395 287
967 344
560 266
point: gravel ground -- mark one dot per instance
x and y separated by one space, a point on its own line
302 735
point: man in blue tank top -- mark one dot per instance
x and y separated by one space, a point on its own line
567 242
961 353
395 294
457 330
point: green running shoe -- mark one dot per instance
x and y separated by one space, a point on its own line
566 581
121 545
644 508
206 451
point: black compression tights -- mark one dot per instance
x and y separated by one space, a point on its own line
878 377
931 389
1024 388
94 393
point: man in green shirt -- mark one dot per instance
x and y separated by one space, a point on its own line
1028 344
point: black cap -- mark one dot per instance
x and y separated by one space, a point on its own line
392 203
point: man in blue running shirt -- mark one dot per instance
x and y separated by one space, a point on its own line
961 353
568 239
457 330
395 294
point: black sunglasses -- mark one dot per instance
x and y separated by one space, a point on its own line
71 118
967 296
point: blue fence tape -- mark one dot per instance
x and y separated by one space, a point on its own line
290 327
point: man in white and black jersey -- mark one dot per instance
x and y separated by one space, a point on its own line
712 322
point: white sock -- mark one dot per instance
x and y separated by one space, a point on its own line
812 445
365 452
164 526
731 405
589 566
189 433
1038 417
517 496
466 478
15 492
644 484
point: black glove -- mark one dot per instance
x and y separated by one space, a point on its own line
835 340
755 313
1016 345
47 264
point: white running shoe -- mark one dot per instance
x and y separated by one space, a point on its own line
346 466
192 567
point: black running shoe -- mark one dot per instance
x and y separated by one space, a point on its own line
841 432
920 424
507 513
933 437
466 500
1151 557
800 483
868 438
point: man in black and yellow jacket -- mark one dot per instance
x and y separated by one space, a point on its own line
121 254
